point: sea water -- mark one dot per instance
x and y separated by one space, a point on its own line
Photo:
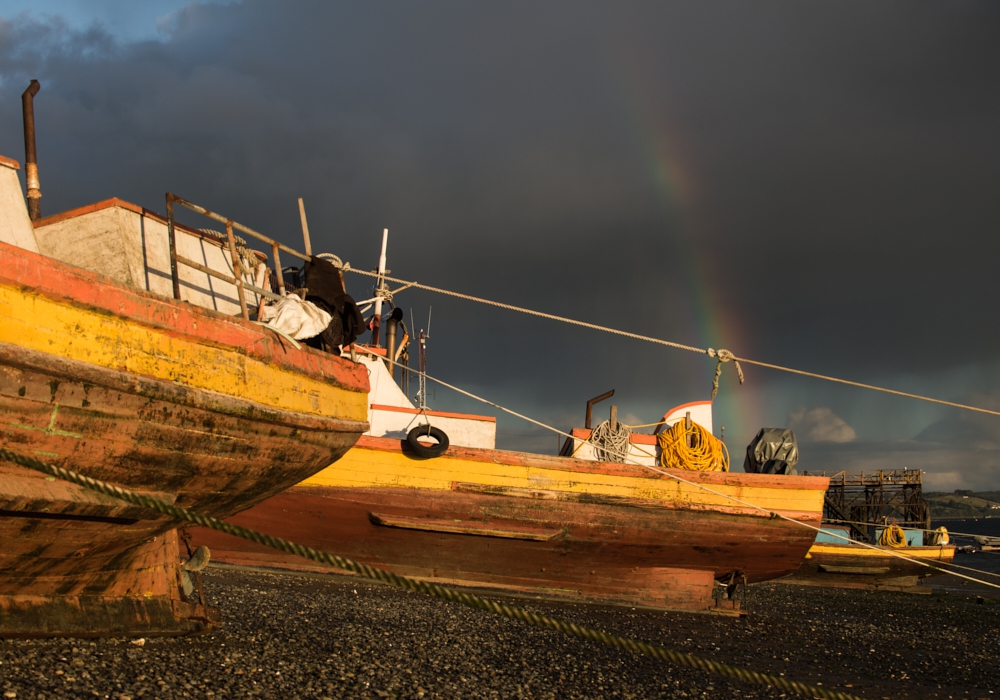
961 534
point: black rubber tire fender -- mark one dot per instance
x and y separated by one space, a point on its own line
422 449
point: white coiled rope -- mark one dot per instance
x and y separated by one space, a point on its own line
611 444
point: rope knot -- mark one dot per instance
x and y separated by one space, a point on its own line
722 355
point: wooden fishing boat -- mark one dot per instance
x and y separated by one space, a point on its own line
560 526
850 565
202 409
852 551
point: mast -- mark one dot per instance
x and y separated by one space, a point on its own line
379 286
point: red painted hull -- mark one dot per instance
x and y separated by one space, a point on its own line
666 557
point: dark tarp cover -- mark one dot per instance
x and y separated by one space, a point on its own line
325 288
773 451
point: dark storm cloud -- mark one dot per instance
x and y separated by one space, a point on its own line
834 171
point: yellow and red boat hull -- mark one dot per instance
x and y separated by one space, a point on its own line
540 524
854 566
204 410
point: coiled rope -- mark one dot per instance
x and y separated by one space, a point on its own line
430 589
611 444
893 536
692 448
939 537
721 355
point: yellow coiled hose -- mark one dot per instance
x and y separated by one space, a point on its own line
893 536
706 453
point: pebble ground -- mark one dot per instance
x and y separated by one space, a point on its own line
288 637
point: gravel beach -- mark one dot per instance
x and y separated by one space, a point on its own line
288 636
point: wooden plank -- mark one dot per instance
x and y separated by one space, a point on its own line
860 570
469 527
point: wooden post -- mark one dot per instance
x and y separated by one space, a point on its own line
172 239
277 269
614 417
305 228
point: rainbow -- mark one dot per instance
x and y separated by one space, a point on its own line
669 159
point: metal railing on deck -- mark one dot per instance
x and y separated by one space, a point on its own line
237 278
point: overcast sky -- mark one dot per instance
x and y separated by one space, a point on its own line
812 185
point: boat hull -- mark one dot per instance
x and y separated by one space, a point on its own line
537 524
154 396
853 566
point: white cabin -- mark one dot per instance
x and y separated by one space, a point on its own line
130 244
15 224
392 415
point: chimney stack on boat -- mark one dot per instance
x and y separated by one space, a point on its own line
391 327
30 159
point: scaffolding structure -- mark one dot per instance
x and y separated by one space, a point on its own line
866 501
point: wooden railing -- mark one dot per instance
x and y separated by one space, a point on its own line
237 278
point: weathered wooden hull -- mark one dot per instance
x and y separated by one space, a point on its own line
202 410
853 566
537 524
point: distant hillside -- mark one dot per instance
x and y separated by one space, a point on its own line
964 504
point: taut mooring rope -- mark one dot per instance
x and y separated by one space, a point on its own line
721 355
430 589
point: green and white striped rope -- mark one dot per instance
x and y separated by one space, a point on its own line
409 584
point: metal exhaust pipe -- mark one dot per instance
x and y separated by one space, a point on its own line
30 157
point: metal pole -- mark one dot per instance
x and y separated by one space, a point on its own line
30 157
422 367
390 344
379 283
590 407
305 228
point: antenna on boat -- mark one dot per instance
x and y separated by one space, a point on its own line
422 360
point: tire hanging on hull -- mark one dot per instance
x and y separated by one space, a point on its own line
422 449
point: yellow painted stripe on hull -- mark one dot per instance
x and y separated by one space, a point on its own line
857 551
368 468
38 323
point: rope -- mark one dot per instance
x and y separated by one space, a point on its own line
943 529
939 537
430 589
893 536
611 444
978 571
247 255
705 453
721 354
383 293
646 425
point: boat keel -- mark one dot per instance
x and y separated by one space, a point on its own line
146 600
